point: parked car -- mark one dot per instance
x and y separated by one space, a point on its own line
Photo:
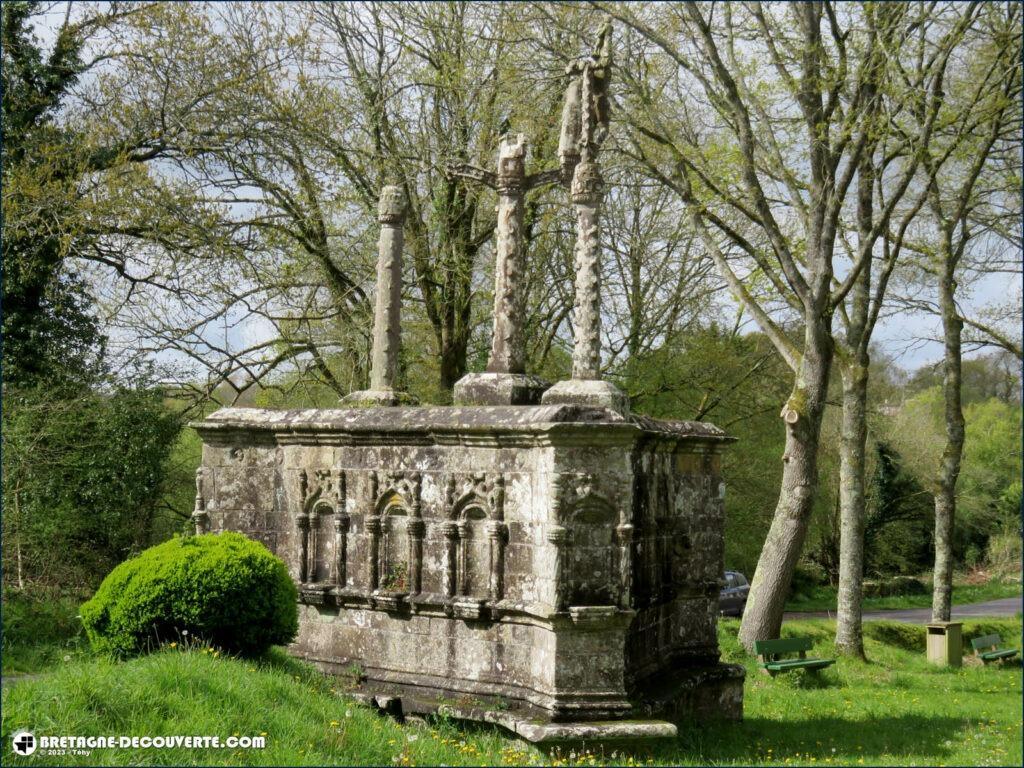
733 597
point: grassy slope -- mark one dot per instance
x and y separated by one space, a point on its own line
823 598
895 710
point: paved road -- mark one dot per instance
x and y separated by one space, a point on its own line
1008 606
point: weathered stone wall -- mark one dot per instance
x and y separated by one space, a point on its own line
558 556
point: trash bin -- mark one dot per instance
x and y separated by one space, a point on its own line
945 643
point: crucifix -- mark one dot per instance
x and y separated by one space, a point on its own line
584 127
505 381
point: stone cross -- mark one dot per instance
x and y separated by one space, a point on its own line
505 381
585 120
387 337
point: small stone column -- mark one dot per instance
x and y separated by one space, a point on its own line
463 533
450 531
373 529
416 530
624 538
341 523
200 518
340 545
496 534
387 332
558 536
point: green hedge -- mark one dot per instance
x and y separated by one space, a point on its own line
222 589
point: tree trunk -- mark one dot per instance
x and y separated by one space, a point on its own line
949 467
453 360
17 542
762 619
852 447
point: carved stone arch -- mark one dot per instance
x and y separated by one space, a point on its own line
322 526
592 562
475 536
395 517
321 544
474 559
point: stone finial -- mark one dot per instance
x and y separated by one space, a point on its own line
387 332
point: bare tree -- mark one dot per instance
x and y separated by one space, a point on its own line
765 171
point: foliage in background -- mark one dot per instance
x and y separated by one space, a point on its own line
82 478
222 589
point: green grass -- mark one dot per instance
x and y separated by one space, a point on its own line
894 710
823 598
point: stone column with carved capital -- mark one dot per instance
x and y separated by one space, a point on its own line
507 348
387 333
505 381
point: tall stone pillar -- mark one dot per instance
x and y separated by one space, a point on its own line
387 332
508 354
505 381
587 190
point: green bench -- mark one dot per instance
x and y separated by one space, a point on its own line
994 652
771 654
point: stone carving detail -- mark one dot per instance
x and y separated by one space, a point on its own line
200 518
508 348
322 512
584 127
591 556
475 536
395 532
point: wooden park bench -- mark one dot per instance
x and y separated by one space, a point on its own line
771 654
994 652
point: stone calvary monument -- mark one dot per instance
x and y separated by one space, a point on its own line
533 556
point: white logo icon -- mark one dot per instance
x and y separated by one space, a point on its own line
24 743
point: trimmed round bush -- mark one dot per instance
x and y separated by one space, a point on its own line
223 589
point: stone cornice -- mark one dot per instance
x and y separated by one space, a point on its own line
492 426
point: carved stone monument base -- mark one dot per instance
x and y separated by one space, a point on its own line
713 692
587 392
558 564
375 398
499 389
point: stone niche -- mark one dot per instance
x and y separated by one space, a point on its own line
552 568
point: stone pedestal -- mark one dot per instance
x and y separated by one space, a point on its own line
590 392
553 569
499 389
